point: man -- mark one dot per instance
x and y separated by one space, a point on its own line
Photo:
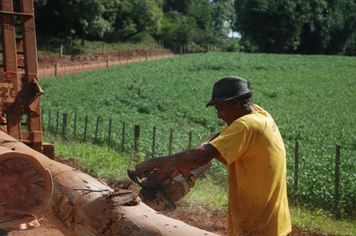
253 150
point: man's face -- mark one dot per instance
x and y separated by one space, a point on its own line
226 110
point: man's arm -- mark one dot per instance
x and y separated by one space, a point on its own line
190 159
211 137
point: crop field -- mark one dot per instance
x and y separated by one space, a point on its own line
310 97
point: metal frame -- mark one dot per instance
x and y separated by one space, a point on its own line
19 87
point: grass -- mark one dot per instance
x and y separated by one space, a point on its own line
319 220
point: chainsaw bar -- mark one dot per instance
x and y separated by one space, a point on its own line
132 175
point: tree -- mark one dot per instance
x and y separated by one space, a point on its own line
181 6
200 16
301 26
70 18
174 31
316 28
195 22
274 26
343 28
222 18
136 17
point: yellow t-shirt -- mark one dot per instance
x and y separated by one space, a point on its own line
253 150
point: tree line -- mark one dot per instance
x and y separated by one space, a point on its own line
268 26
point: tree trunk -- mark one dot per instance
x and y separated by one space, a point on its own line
82 205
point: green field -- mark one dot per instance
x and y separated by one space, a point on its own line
310 97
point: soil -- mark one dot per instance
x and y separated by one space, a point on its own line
49 66
199 216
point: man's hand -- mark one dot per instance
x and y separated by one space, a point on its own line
141 168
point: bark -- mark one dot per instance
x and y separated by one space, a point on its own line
82 205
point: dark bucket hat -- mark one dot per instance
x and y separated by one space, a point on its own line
229 88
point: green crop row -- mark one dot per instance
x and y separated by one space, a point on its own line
310 97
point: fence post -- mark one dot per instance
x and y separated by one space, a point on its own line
97 128
61 51
109 134
137 137
64 125
123 137
49 120
296 171
107 61
190 139
337 179
57 120
170 142
85 128
153 141
56 69
75 125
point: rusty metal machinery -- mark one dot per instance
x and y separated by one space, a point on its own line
19 87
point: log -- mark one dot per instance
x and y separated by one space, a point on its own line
25 189
82 205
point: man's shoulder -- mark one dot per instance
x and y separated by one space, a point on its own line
261 111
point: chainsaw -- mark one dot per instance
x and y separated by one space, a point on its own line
162 188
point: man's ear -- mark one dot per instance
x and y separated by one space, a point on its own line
237 102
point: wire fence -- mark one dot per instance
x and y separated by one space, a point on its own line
129 138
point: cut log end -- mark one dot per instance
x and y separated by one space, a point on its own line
25 190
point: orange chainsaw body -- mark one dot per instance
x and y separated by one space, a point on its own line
162 188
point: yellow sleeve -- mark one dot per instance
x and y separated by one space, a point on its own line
232 142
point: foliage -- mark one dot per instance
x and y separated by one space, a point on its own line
309 97
52 47
320 220
175 22
233 46
273 25
196 22
308 27
134 18
69 18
